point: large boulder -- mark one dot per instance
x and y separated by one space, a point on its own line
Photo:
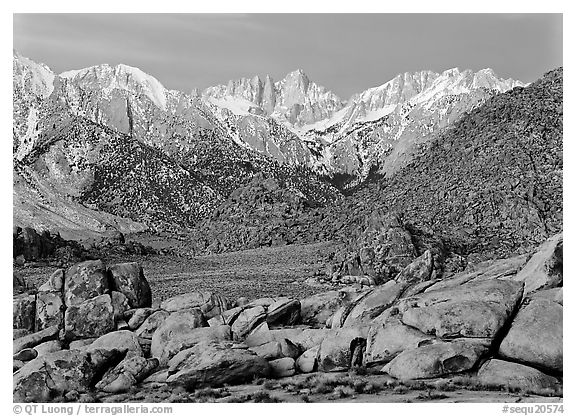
151 324
55 282
84 281
487 270
31 340
48 347
91 318
342 349
128 278
476 309
126 374
120 305
211 304
369 306
436 360
248 320
125 341
181 330
386 247
49 309
420 270
317 309
513 375
544 269
308 361
385 342
24 311
269 351
53 375
555 295
535 336
259 336
283 367
187 339
138 316
305 338
283 312
217 364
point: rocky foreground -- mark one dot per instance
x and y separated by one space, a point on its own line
90 333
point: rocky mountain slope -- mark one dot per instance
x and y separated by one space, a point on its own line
488 186
380 129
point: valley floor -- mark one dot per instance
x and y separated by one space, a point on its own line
256 273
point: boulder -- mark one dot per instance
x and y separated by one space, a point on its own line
247 320
386 247
24 311
289 349
125 341
487 270
342 349
283 367
269 351
81 344
211 304
259 336
48 347
283 312
308 362
128 278
17 365
476 309
544 269
315 310
91 318
19 285
26 354
369 306
435 360
138 317
31 340
151 324
555 295
513 375
211 365
19 333
126 374
85 281
49 309
420 270
55 282
53 375
305 338
385 342
535 336
180 331
120 305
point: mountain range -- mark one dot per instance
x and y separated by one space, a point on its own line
108 147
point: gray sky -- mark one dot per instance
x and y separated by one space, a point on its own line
346 53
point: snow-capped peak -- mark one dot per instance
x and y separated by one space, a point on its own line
39 76
122 77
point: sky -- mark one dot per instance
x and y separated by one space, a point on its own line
346 53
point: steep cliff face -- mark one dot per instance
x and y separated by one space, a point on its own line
294 100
